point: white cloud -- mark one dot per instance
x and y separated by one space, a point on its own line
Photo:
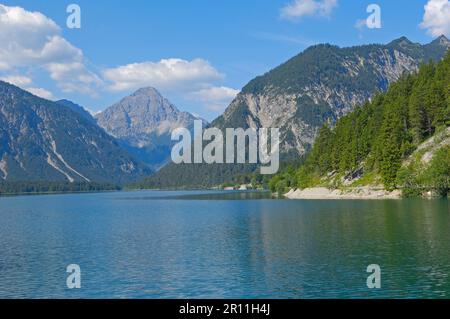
436 19
302 8
23 35
361 24
216 93
167 74
17 80
43 93
26 83
215 98
73 77
31 40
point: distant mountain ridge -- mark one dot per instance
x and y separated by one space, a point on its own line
143 123
42 140
77 108
318 86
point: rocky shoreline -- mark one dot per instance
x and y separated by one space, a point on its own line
354 193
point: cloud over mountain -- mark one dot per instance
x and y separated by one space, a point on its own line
195 80
32 40
216 98
302 8
43 93
436 19
172 74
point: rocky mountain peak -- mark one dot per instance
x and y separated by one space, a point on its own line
143 123
148 97
443 41
148 91
147 102
402 41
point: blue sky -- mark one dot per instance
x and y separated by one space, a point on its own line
198 53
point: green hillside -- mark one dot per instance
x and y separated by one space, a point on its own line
378 143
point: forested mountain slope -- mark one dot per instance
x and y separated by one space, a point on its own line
318 86
399 140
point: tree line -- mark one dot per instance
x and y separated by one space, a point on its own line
41 187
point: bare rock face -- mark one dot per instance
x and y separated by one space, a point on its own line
322 84
143 123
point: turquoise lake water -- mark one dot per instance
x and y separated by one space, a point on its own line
221 245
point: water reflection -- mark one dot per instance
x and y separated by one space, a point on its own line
194 245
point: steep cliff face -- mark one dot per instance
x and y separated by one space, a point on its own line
143 123
322 84
45 141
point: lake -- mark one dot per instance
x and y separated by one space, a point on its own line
152 244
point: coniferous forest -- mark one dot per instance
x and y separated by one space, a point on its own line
384 141
42 187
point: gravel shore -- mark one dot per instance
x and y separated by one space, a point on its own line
354 193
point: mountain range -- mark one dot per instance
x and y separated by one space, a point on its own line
42 140
318 86
45 141
322 84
